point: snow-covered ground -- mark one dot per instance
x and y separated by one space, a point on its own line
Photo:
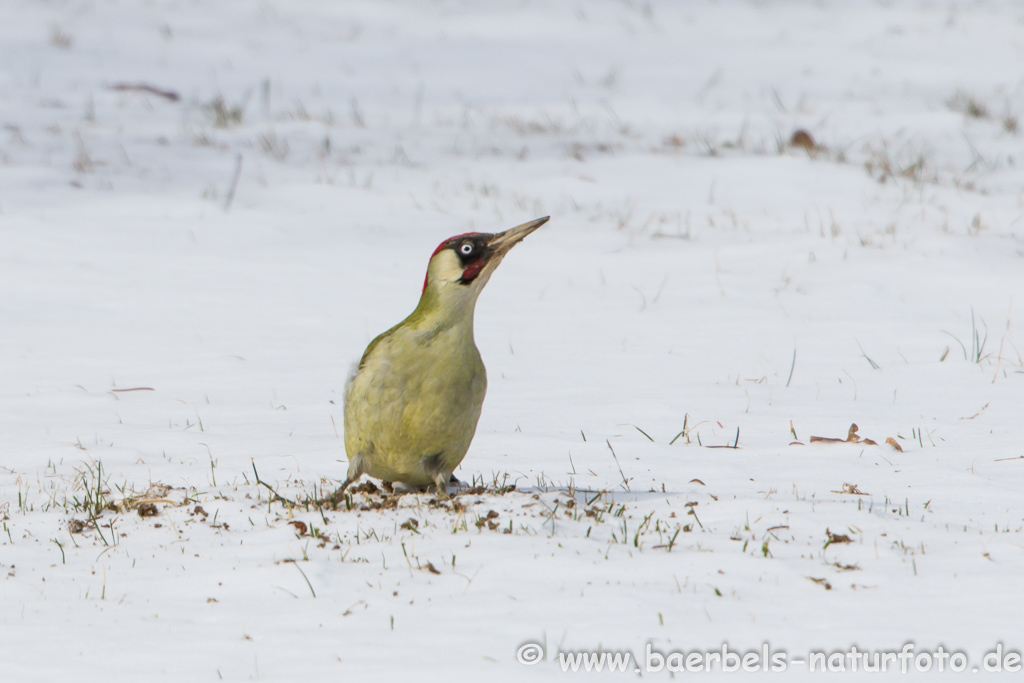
186 277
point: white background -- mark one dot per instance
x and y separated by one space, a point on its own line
697 271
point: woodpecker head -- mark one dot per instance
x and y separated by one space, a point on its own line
463 264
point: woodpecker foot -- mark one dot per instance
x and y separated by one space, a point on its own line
458 484
441 484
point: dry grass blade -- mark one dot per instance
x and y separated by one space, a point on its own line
851 489
625 481
851 437
169 95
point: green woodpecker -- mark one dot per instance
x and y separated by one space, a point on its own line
412 403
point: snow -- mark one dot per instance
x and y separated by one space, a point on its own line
701 285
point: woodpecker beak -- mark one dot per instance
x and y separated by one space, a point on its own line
501 243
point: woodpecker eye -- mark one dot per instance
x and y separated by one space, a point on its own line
466 249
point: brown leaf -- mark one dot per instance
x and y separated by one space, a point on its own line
892 442
802 139
300 527
836 538
846 567
821 582
148 510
